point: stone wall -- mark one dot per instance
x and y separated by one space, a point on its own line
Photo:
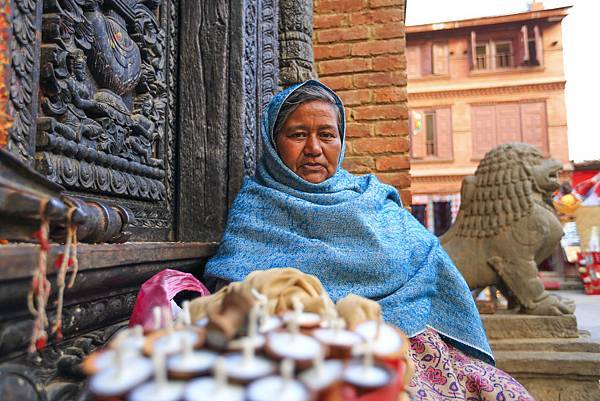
359 52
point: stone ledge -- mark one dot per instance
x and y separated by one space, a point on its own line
516 326
572 365
581 344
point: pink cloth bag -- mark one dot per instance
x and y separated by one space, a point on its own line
159 290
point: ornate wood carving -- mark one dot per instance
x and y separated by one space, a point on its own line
103 98
296 58
54 374
105 74
24 49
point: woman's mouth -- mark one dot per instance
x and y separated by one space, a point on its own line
313 166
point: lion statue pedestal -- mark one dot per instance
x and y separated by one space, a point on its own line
504 229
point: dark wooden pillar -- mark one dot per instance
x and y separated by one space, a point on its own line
229 52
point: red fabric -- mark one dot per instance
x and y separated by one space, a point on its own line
159 290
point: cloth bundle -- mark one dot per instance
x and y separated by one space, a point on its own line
281 286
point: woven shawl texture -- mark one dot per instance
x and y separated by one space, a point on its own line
352 233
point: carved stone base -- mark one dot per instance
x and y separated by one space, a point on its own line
546 354
511 325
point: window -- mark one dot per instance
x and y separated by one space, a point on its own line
419 212
427 59
430 137
503 54
440 64
431 133
506 49
495 124
490 55
481 51
442 217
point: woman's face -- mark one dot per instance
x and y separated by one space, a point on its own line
309 142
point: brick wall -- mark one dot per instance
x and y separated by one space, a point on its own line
359 52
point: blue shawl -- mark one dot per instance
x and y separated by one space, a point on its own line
354 235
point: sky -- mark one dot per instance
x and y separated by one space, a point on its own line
581 55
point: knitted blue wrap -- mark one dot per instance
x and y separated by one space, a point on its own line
354 235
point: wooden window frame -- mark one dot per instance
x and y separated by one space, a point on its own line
546 146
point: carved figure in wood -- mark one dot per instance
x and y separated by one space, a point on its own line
296 60
103 97
505 227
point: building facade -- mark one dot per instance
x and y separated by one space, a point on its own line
475 84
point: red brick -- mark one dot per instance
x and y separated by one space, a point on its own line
355 97
371 48
379 145
343 34
325 52
398 180
385 3
358 130
377 16
391 94
388 31
339 82
389 63
330 67
321 21
392 163
375 79
380 112
359 165
406 196
391 128
338 6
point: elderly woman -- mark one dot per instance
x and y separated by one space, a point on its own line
303 210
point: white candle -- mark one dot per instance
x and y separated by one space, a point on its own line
157 315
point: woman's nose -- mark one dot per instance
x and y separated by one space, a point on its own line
312 145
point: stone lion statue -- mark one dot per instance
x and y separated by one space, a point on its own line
505 227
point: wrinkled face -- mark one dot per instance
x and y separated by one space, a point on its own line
309 142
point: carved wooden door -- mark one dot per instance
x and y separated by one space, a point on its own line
145 113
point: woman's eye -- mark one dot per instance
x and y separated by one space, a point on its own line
297 135
327 135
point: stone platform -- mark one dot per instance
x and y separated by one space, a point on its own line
547 354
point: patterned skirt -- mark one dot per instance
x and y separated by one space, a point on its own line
443 373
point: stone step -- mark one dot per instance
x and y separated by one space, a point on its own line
581 344
548 364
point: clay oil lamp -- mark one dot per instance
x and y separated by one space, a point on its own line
388 342
338 340
126 345
169 341
305 320
279 388
160 389
190 363
366 375
266 321
214 389
242 368
324 378
184 318
115 381
292 344
257 340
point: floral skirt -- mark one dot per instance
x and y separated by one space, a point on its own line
442 373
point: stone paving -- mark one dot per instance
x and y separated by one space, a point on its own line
587 311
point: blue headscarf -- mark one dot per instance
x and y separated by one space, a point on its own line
354 235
